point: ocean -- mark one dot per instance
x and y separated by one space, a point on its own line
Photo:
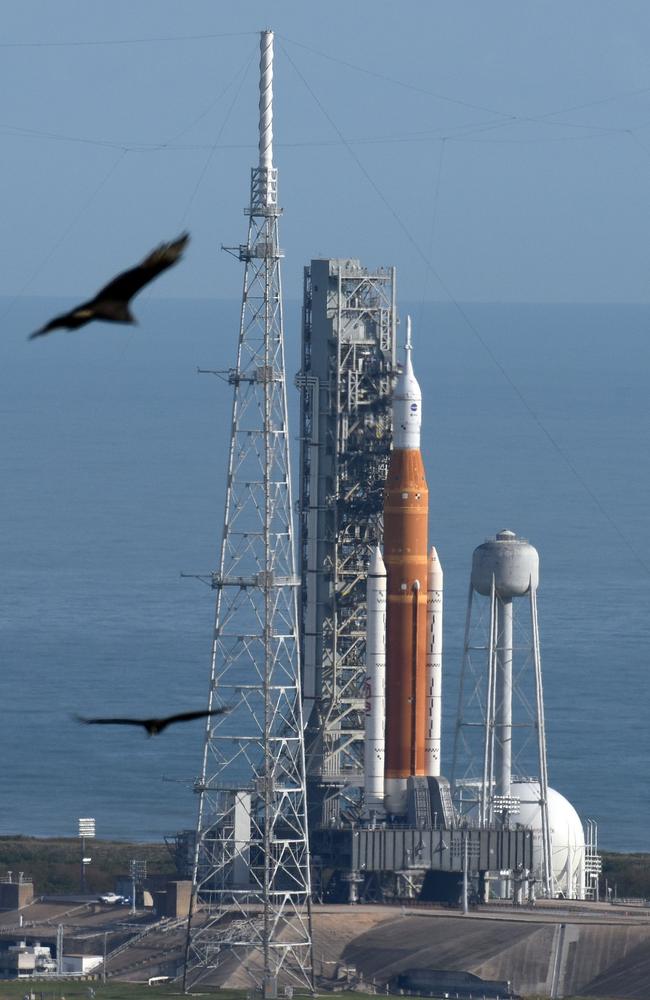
113 457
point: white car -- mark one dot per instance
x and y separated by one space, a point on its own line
111 898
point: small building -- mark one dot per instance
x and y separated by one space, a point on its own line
16 891
174 900
452 983
22 959
79 965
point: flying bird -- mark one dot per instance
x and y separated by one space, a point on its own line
112 302
153 726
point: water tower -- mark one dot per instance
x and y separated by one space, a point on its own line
500 721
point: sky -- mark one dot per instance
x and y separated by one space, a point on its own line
490 151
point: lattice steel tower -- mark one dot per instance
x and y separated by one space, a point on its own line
250 912
346 383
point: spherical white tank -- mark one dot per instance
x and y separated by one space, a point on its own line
567 837
512 561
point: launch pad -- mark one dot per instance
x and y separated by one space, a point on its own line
365 851
372 637
432 854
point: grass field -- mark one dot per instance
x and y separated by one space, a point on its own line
138 991
81 991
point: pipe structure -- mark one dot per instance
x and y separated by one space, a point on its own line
503 721
432 742
406 512
375 684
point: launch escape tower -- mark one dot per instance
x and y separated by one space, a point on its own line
346 380
251 879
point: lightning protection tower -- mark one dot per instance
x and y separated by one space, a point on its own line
250 913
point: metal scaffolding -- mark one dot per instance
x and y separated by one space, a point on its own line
346 381
250 907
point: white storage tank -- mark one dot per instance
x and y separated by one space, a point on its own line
567 837
512 561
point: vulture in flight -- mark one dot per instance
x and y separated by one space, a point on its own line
112 302
153 726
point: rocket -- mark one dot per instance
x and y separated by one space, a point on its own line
434 666
413 587
406 517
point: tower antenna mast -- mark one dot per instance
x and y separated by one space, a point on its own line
251 879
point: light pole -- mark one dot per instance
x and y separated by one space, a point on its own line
59 950
86 830
138 873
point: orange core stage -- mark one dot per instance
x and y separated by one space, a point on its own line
406 508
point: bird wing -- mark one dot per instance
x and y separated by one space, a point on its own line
126 285
70 320
153 725
113 722
188 716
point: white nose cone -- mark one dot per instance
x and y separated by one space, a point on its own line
407 402
434 571
377 566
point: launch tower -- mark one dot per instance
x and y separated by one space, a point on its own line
251 879
346 381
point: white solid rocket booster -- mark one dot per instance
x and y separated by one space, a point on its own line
434 666
375 684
